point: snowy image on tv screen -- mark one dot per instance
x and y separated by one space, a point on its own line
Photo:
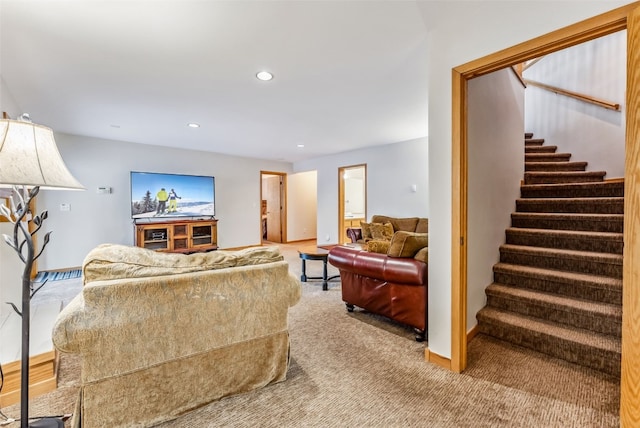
171 195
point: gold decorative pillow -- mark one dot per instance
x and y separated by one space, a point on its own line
407 244
422 255
382 232
377 246
366 230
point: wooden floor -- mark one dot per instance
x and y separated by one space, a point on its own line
43 361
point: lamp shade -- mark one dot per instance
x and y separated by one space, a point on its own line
29 156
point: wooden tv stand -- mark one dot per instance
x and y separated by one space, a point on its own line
178 236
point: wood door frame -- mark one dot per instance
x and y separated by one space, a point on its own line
610 22
341 171
283 203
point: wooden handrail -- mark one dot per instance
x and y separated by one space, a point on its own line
581 97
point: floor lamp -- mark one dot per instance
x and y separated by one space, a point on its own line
29 161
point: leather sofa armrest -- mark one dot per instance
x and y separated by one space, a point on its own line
407 271
354 233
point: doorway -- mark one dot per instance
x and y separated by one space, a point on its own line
352 196
627 17
273 221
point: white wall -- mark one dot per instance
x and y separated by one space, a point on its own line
391 170
98 218
496 166
460 32
302 205
11 269
591 133
10 265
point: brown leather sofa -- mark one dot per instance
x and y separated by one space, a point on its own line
410 224
391 286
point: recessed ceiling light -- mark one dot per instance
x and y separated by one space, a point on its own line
300 146
193 125
264 75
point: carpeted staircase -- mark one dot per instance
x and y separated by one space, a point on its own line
558 286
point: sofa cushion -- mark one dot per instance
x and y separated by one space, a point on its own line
366 230
422 255
381 232
377 246
408 224
407 244
111 261
422 226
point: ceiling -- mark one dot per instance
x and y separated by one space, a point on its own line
348 74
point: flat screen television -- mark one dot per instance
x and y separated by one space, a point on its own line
156 195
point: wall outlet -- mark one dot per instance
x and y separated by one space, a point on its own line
65 207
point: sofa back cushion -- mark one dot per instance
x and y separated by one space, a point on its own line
111 261
407 224
422 226
407 244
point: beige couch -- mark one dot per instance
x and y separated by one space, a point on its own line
161 334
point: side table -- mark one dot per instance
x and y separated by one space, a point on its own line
316 254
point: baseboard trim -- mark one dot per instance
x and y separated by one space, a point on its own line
301 241
436 359
472 333
43 377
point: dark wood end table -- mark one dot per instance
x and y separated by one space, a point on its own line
314 253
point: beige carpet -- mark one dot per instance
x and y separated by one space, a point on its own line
357 370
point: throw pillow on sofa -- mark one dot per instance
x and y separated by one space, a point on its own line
366 230
407 244
381 232
377 246
422 255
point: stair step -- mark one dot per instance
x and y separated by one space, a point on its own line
574 190
547 157
543 177
555 166
528 135
604 264
588 315
601 242
572 284
563 221
571 205
533 141
540 149
597 351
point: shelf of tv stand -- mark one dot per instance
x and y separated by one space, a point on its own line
178 236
